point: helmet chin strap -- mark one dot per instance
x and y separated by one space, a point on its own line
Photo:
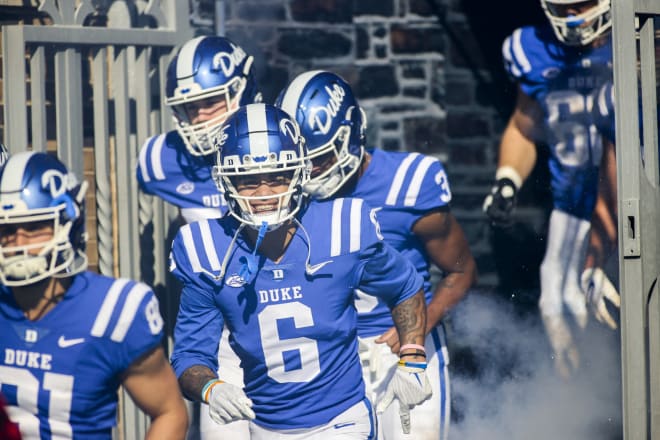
249 262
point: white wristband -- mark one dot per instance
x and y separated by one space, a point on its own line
507 172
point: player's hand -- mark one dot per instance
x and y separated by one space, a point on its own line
391 338
499 204
228 403
599 290
410 386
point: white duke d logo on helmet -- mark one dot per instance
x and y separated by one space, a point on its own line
57 182
289 128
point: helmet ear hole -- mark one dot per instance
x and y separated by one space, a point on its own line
71 211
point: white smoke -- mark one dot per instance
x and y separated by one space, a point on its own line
504 386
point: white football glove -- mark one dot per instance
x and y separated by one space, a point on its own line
410 386
228 403
597 289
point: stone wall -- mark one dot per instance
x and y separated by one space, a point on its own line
429 74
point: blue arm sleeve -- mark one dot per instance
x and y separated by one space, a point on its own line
385 273
199 322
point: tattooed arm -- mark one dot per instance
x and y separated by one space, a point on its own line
193 380
410 322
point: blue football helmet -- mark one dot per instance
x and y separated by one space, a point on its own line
208 67
581 29
333 125
37 188
258 143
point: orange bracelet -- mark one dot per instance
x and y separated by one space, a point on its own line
206 390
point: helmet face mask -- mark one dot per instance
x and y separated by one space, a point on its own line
211 69
260 146
37 193
333 126
581 29
332 165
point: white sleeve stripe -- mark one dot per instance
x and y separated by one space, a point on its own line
127 316
191 250
602 101
108 306
398 179
519 52
508 57
209 248
416 183
159 174
335 232
356 220
143 161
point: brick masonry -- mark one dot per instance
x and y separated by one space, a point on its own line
430 77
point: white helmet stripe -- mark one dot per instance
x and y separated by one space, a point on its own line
258 128
12 178
295 89
184 64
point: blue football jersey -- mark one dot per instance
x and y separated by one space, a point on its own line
60 374
166 169
562 80
603 112
402 187
294 330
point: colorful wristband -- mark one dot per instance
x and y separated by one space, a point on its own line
206 390
415 346
421 365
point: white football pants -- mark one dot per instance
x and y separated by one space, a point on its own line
430 420
356 423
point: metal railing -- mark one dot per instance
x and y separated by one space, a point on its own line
98 71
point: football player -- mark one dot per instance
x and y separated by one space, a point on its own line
557 66
414 218
69 337
208 79
280 273
596 285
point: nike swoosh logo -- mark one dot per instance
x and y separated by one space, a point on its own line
343 425
312 269
65 343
